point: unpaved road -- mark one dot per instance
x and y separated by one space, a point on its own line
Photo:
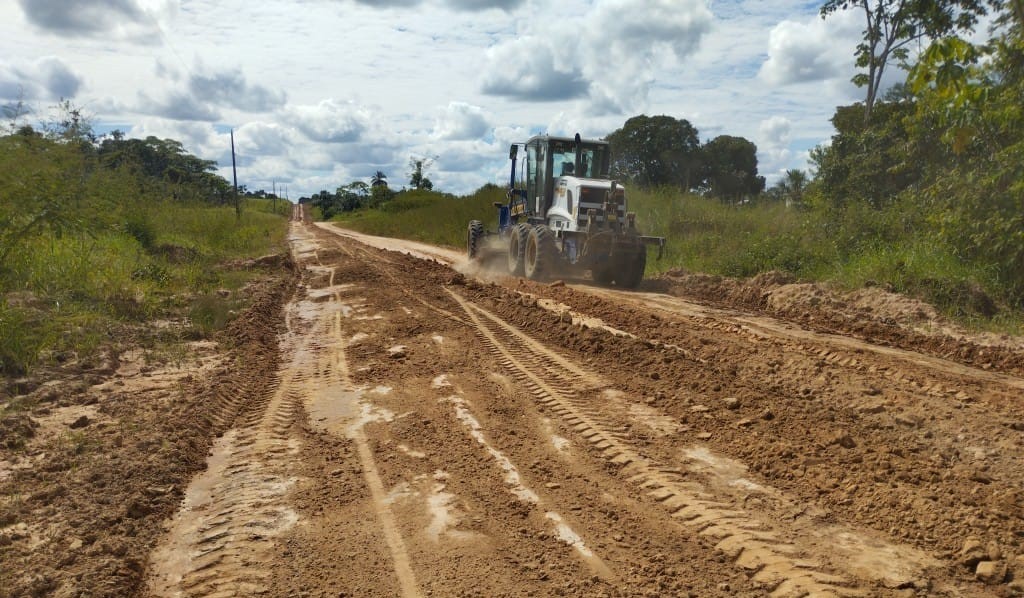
431 434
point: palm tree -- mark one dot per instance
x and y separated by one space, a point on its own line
793 184
379 179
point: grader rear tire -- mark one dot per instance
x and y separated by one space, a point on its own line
517 249
541 256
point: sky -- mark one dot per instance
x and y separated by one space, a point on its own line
321 93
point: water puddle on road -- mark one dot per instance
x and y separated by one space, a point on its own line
340 409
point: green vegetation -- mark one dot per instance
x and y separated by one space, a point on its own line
427 216
98 235
857 247
656 151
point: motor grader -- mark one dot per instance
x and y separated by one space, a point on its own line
564 216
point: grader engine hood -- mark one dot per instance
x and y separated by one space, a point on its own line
601 200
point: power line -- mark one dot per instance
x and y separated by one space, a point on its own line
166 39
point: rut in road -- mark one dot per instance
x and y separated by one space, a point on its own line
233 511
773 554
632 494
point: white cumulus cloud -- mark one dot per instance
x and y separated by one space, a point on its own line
330 121
812 50
461 121
610 53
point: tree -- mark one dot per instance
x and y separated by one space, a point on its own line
418 178
352 196
164 162
379 179
873 162
379 194
790 188
326 202
969 106
893 25
656 150
730 168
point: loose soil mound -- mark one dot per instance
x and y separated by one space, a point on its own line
872 314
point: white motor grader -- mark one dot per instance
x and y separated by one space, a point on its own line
564 216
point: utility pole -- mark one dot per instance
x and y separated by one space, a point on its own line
274 200
234 176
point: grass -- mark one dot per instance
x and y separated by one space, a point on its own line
427 216
706 235
69 293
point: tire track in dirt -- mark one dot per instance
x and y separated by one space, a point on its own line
333 401
333 378
234 510
772 555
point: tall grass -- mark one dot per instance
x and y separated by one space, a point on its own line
73 289
278 206
428 216
852 248
214 232
706 235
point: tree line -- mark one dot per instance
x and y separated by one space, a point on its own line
358 194
941 154
662 151
61 178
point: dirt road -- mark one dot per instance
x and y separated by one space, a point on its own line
431 434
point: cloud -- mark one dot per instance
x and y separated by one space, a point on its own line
775 130
96 18
461 121
330 121
229 88
46 78
265 139
468 156
387 3
177 106
198 138
814 50
773 152
525 69
610 54
205 91
477 5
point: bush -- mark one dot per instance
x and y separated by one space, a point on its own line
20 339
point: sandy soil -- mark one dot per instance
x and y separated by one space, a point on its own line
403 428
